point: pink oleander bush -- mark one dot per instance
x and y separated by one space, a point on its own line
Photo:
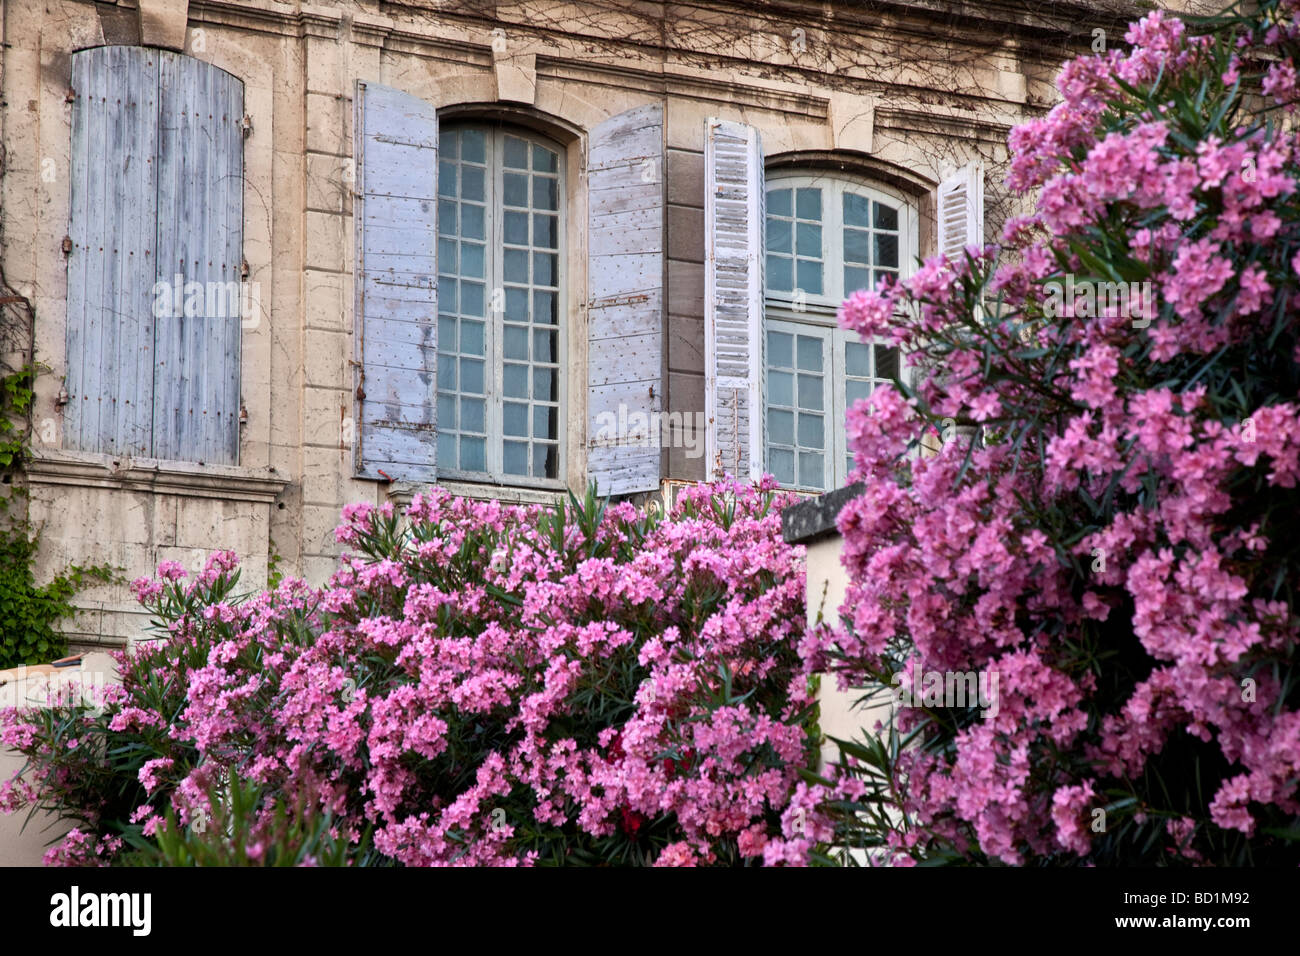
479 684
1111 523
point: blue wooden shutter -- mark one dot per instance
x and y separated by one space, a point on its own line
200 238
396 339
734 338
625 180
111 269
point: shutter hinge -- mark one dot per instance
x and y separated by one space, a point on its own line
70 96
62 398
246 124
243 414
67 245
243 269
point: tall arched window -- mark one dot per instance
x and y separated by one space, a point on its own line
827 236
500 232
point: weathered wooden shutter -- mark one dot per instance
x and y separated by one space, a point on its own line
200 240
625 179
734 362
396 337
961 211
112 224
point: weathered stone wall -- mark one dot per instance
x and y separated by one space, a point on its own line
901 91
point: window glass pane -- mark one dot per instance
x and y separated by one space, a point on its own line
780 388
545 308
472 454
546 461
855 390
810 240
544 160
516 228
516 154
810 276
471 298
544 264
810 353
811 430
446 411
780 462
811 469
886 250
516 381
886 362
857 246
780 427
808 204
447 457
471 338
778 235
472 145
780 349
448 143
515 189
471 221
471 260
886 216
446 178
857 359
778 202
856 278
471 183
472 417
810 392
516 304
545 231
514 419
544 385
856 210
516 265
471 376
516 343
545 193
780 274
515 458
544 346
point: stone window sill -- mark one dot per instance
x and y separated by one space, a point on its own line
189 479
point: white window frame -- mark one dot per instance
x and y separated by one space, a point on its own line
817 314
495 134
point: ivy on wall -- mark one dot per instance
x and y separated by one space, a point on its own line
29 612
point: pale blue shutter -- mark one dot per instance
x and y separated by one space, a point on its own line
625 180
396 338
111 268
200 238
734 337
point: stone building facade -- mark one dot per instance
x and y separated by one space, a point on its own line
275 257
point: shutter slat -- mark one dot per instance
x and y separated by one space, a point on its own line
625 312
733 299
396 337
961 211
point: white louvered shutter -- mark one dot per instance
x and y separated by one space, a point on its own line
960 211
396 279
625 181
734 364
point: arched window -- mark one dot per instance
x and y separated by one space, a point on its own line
826 236
500 288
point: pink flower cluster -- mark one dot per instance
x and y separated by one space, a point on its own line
486 685
1104 514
